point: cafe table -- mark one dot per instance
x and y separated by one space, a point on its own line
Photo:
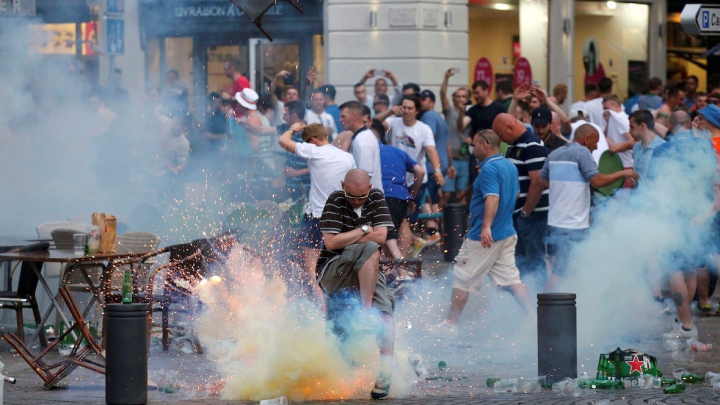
104 261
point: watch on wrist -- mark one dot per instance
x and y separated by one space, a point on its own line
524 214
365 229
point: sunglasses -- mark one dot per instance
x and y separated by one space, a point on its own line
226 102
352 197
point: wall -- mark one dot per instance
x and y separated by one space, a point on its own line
621 35
501 26
419 50
534 37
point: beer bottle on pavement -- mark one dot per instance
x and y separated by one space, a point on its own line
674 389
127 288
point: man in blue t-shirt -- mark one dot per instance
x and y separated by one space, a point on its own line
395 164
489 248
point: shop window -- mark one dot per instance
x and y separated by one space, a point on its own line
611 40
179 57
217 58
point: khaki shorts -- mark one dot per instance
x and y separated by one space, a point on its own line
474 262
341 273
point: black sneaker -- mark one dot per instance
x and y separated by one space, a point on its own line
382 387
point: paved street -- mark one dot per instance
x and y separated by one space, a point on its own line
486 349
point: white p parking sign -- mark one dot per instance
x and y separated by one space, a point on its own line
701 19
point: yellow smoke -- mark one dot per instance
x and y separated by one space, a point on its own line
267 345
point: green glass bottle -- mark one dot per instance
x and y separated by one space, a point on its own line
464 150
692 378
490 382
674 389
667 381
127 288
607 384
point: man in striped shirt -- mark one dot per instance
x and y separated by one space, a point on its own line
354 225
528 154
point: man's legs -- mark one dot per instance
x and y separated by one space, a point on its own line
679 293
368 276
520 293
310 257
532 232
457 304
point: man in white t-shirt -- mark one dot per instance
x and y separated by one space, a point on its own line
328 166
592 105
578 117
617 130
317 115
568 172
412 136
363 144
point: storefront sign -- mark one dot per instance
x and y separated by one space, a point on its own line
700 19
17 7
522 73
115 36
484 72
218 11
431 17
403 17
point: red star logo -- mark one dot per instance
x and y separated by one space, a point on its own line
635 364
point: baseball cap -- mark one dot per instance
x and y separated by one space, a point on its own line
712 114
426 94
541 116
578 112
247 98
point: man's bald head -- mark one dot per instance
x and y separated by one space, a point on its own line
584 131
508 128
680 118
357 178
588 136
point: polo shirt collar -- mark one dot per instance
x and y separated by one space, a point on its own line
657 141
490 159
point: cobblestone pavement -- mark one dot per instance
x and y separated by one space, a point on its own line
483 354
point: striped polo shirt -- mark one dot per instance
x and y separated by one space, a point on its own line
569 170
528 154
338 217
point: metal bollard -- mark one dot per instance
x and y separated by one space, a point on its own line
557 335
455 218
126 359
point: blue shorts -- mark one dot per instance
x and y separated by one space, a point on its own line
310 235
461 181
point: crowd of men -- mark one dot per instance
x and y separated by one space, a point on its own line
367 167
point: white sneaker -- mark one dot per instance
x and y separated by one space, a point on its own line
681 333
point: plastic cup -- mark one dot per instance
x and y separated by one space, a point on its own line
657 382
506 386
531 384
570 389
275 401
79 240
709 376
716 389
645 381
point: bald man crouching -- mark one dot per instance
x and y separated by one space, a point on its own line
354 225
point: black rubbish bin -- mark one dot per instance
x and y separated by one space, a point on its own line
557 335
455 218
126 358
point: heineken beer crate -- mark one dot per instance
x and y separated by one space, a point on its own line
622 364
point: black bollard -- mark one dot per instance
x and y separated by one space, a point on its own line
557 336
455 218
126 358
